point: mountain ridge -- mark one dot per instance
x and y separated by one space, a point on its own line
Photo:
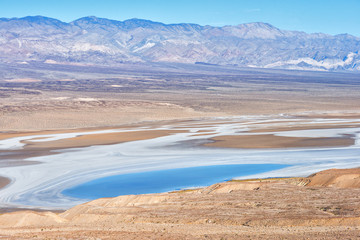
104 41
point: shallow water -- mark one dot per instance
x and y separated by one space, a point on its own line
47 184
164 180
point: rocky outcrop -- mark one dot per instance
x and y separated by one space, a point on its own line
342 178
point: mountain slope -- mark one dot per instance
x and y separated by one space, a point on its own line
103 41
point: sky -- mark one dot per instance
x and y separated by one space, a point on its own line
327 16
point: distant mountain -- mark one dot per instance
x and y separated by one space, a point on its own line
103 41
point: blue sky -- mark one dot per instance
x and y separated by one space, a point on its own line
328 16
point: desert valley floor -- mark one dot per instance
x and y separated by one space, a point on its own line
67 130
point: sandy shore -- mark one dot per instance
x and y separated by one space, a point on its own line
98 139
54 155
272 141
293 208
304 126
4 181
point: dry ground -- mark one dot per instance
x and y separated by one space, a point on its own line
328 207
154 93
36 98
273 141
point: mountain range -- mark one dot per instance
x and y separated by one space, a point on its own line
93 40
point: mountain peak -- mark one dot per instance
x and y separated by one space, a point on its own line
35 22
137 22
99 40
257 25
94 20
38 19
258 30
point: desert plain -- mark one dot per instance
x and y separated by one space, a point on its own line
53 112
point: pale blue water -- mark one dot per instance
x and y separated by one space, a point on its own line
165 180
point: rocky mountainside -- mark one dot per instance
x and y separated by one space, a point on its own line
103 41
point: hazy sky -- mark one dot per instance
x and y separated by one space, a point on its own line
328 16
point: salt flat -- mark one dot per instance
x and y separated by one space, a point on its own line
54 138
41 185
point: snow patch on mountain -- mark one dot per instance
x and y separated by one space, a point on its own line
84 47
326 63
145 46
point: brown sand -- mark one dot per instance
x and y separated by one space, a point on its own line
4 181
23 112
277 209
99 139
343 178
13 134
36 149
84 114
6 135
342 115
23 80
272 141
301 126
